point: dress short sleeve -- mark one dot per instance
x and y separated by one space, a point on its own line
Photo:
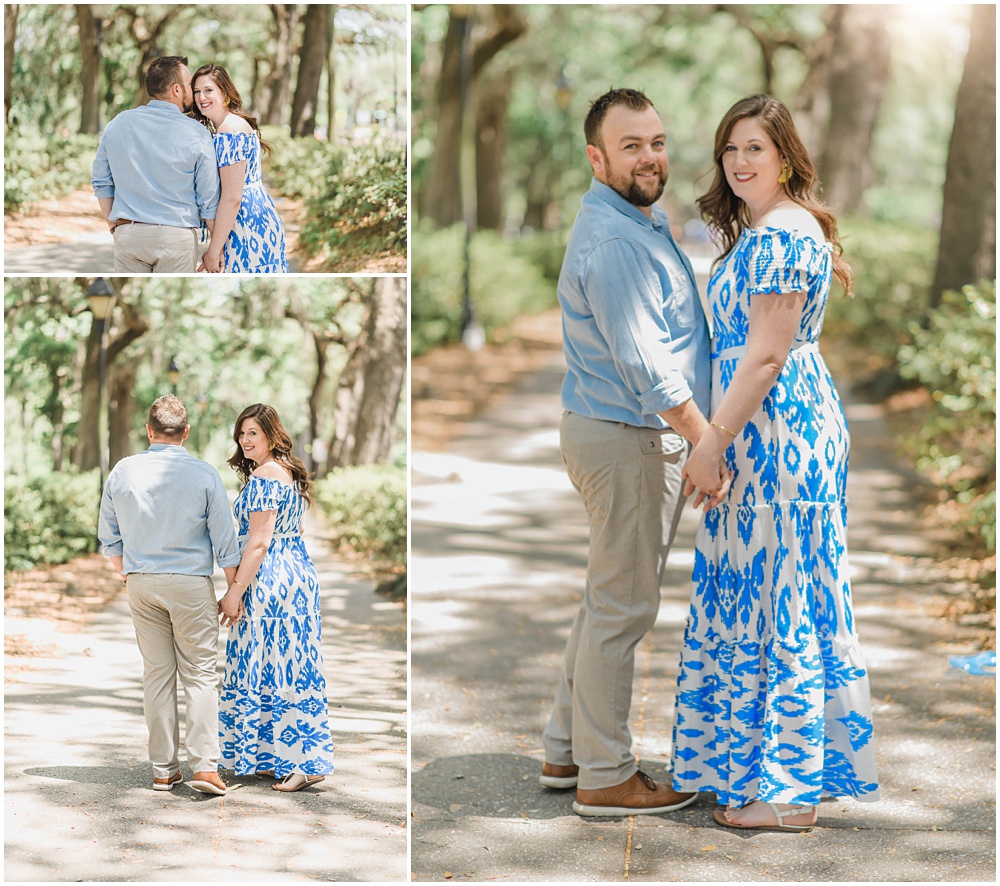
232 147
782 262
262 494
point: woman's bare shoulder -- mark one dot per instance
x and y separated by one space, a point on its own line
796 220
234 123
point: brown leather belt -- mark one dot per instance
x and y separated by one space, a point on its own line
127 221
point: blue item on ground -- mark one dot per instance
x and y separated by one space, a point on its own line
982 665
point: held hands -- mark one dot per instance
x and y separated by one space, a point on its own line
231 608
211 264
705 471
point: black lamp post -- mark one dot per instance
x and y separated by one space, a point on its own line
100 297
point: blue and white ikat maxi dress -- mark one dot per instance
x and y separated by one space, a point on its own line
773 697
256 244
273 709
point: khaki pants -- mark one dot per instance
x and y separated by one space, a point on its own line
630 481
177 629
158 249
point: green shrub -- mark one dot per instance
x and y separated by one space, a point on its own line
954 356
37 167
365 508
893 270
50 519
355 197
362 206
504 283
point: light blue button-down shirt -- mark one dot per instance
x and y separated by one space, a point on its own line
159 166
165 511
635 336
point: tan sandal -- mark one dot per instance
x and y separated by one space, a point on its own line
779 816
297 781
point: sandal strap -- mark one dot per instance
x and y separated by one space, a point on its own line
781 814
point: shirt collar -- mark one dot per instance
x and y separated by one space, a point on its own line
610 196
161 447
160 104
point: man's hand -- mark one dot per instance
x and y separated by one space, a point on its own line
231 606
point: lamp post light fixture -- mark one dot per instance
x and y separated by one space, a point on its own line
100 297
173 375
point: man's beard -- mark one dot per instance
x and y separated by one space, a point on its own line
631 190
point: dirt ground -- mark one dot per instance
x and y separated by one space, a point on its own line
452 384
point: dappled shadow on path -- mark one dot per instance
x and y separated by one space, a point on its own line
499 543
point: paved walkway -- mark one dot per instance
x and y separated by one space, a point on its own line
89 255
77 798
85 247
496 570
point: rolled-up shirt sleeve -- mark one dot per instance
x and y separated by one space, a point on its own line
108 531
100 174
221 530
627 298
206 178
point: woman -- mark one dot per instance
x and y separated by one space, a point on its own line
273 710
773 707
248 236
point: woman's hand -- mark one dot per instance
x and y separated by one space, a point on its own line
705 470
231 606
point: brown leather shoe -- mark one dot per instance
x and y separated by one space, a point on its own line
209 783
640 795
554 776
166 784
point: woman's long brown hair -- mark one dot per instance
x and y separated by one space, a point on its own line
281 448
234 103
727 215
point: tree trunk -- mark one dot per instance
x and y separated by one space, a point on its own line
274 104
346 404
312 60
320 345
384 373
121 409
442 197
9 38
331 75
858 76
87 452
371 382
492 97
537 189
90 76
147 33
967 250
441 200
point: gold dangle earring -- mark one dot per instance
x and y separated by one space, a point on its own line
786 172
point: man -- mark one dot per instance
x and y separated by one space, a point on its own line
156 176
163 514
635 396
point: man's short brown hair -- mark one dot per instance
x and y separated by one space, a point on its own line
168 417
630 98
164 72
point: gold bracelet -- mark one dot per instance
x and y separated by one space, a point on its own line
721 428
235 582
